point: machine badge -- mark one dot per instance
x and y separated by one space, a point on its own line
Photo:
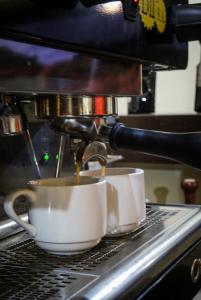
153 14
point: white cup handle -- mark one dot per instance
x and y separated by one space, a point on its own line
9 208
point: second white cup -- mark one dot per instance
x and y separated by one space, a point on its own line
125 198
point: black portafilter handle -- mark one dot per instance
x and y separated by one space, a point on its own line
181 147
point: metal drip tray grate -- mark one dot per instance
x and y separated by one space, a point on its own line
25 283
27 254
27 272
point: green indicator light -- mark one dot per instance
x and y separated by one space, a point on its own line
46 156
57 157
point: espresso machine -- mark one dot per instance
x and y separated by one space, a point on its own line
63 64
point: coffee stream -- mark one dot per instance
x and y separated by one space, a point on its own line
78 168
103 170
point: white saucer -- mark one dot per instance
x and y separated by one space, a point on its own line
67 248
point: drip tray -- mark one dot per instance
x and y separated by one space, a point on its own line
27 272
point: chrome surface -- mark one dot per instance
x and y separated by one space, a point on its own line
108 271
195 270
13 121
10 125
86 128
10 118
54 106
27 68
10 227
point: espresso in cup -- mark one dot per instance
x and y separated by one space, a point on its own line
125 198
65 218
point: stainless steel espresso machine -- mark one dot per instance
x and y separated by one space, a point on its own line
62 65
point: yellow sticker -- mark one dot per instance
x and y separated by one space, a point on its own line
153 13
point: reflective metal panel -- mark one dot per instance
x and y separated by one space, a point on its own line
35 69
51 106
101 29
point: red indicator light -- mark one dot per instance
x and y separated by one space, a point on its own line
136 1
99 105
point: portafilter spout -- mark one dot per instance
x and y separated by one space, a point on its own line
93 150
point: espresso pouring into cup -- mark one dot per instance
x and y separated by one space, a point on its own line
65 218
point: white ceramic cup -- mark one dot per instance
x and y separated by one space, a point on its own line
125 198
65 218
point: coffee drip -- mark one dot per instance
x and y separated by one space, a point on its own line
103 171
78 169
